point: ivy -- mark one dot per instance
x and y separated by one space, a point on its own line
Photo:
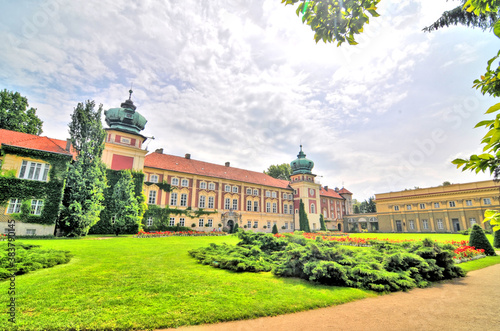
163 186
162 215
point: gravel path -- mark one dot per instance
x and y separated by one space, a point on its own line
470 303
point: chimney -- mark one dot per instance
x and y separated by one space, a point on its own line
337 189
326 188
227 164
159 150
188 156
68 145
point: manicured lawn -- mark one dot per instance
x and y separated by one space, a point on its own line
441 237
128 283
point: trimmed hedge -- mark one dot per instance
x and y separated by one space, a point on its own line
479 241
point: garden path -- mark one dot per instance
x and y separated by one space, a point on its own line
470 303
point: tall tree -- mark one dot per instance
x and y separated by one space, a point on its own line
86 181
322 223
303 219
15 114
124 204
280 171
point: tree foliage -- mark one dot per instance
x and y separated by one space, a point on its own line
15 114
303 219
365 206
279 171
459 16
86 181
124 205
335 20
478 240
322 223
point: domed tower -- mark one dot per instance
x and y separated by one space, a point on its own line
306 189
124 141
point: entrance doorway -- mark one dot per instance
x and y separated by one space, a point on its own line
456 224
339 226
230 225
399 228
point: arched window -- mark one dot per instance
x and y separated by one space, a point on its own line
313 208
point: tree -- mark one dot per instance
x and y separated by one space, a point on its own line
368 206
496 240
124 204
303 220
279 171
86 181
322 223
356 209
235 229
479 241
15 114
275 229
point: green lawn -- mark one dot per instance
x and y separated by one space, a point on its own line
128 283
442 237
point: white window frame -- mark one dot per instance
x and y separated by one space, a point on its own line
268 194
182 221
183 202
185 182
472 221
487 201
285 209
249 224
255 224
153 178
411 224
34 171
211 202
285 196
408 207
452 204
202 201
255 192
149 221
313 208
396 208
268 207
203 185
249 205
211 186
273 194
152 198
235 189
436 204
235 204
249 191
275 207
36 207
468 202
30 232
255 206
171 222
422 206
286 225
201 222
210 222
174 181
14 206
269 225
227 188
290 209
227 203
440 224
425 224
173 199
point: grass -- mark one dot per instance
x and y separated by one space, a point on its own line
127 283
441 237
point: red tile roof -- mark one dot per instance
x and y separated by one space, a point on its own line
31 141
330 193
344 191
190 166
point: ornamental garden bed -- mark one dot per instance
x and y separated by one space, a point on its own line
159 234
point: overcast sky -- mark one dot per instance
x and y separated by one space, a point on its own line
243 81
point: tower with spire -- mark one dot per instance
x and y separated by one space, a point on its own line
124 140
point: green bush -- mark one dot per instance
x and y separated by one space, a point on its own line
235 228
496 241
479 241
275 229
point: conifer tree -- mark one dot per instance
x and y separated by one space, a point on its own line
479 241
124 204
275 229
303 220
235 228
496 241
322 223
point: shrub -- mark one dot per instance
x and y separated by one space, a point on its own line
235 229
479 241
496 241
275 229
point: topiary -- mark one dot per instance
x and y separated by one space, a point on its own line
479 241
496 241
275 229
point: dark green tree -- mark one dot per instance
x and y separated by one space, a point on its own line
479 241
356 209
15 114
124 205
280 171
303 220
83 200
322 223
275 229
496 240
235 228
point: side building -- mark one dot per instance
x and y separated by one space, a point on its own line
449 208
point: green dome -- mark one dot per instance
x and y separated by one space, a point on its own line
301 165
125 118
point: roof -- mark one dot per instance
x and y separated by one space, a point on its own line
31 141
330 193
195 167
344 191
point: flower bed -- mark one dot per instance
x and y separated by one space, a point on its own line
467 253
3 237
158 234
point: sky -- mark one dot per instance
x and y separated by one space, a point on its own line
242 81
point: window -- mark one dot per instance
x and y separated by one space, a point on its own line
425 224
203 185
113 219
255 206
30 232
311 192
175 181
14 206
125 140
36 207
268 194
468 202
227 188
172 221
436 204
268 207
440 224
201 203
184 198
273 194
200 222
235 204
487 201
275 208
227 203
249 224
149 222
285 209
235 189
291 209
173 199
249 205
182 221
285 196
211 186
286 225
153 178
452 204
34 170
472 221
185 182
268 224
152 197
249 191
210 222
296 211
211 202
408 207
396 208
313 208
411 224
255 192
422 206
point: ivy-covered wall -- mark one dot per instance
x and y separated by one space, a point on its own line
50 192
104 226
